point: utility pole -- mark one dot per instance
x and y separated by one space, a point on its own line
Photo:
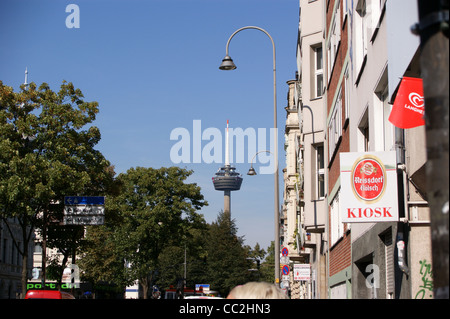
433 28
44 248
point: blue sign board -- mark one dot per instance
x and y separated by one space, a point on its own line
204 287
285 270
84 200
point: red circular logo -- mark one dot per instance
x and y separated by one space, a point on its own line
368 178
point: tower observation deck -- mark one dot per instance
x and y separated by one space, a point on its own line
227 179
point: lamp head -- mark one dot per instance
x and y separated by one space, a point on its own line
227 63
251 171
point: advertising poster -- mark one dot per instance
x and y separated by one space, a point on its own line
368 187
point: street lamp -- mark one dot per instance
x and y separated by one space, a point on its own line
252 171
228 64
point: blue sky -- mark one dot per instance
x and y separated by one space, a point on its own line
153 67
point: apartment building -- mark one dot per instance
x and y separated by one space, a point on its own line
351 58
305 205
292 233
401 250
11 259
310 57
337 105
370 131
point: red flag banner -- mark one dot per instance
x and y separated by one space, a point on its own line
408 110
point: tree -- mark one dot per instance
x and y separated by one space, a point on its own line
227 263
45 154
267 272
255 256
101 261
155 209
184 262
67 239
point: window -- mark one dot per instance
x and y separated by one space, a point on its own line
388 127
4 252
347 94
339 291
13 254
37 248
335 125
337 227
367 277
320 172
389 263
360 38
318 71
374 10
363 134
18 256
345 8
334 39
384 130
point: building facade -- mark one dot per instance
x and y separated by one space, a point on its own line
400 250
11 259
292 237
351 57
337 141
305 205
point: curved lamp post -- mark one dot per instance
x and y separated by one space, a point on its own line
228 64
252 171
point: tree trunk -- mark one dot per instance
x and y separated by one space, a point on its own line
24 279
144 284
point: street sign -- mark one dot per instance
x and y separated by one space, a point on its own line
302 272
84 200
284 284
84 210
203 287
84 220
284 260
284 251
285 270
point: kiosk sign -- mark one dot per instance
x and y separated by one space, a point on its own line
368 187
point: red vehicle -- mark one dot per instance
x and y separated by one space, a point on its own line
48 294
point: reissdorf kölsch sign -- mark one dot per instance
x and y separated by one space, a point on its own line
368 187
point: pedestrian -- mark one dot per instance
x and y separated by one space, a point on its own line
256 290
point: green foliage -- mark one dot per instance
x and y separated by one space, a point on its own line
47 151
227 258
101 261
267 272
46 154
172 268
155 209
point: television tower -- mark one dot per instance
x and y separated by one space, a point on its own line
227 179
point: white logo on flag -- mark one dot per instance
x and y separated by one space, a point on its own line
416 99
